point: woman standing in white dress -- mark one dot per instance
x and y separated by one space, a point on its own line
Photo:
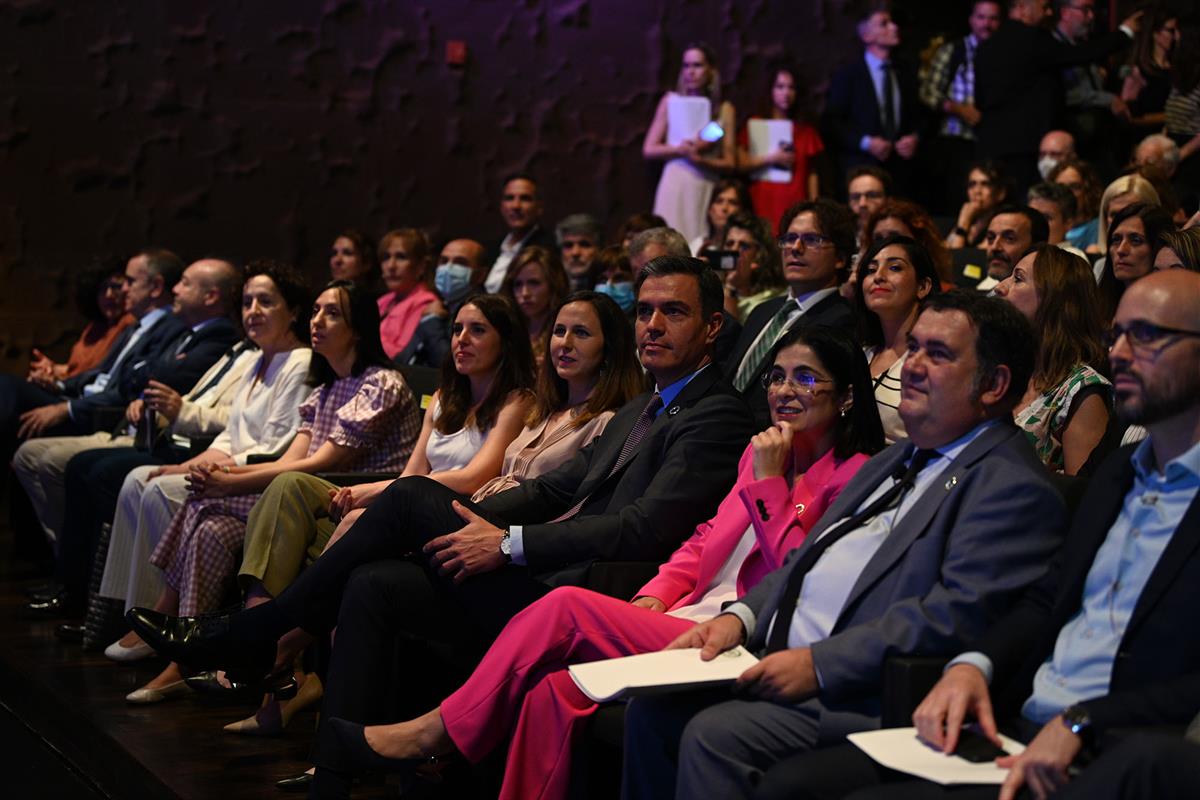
693 163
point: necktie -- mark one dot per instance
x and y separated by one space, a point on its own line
791 592
644 420
231 355
889 104
762 346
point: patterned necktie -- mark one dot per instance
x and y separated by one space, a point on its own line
791 593
762 346
644 420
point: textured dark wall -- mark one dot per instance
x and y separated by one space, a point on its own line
261 128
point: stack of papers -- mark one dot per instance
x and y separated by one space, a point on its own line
901 750
658 673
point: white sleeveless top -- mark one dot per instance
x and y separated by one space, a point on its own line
447 451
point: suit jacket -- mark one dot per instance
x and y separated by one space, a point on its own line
541 236
852 109
1018 84
1156 674
154 356
952 565
684 464
833 311
781 518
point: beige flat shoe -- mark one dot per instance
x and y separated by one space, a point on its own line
145 697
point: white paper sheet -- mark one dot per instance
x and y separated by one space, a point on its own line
765 137
686 115
656 673
901 750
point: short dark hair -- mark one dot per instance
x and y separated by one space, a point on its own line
770 272
869 325
1039 229
1002 336
712 293
520 176
164 264
89 283
835 221
878 173
1055 193
860 430
292 286
1154 220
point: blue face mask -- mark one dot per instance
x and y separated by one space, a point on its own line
452 281
621 292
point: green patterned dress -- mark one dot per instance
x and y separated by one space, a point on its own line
1045 419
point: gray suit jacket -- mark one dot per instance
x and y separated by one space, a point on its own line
962 555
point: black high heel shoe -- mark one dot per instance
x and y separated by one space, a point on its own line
282 685
360 757
204 643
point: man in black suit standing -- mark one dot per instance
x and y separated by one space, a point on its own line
659 469
1018 85
817 245
872 113
521 207
1110 638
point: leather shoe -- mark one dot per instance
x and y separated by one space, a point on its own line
203 643
69 632
360 757
43 591
295 784
144 696
59 605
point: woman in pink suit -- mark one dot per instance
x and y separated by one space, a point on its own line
825 426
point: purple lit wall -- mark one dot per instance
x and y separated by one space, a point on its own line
260 128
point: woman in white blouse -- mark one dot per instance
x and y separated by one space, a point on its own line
276 303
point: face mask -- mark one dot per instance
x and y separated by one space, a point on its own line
621 292
452 281
1046 165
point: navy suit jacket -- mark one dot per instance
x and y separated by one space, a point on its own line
852 109
160 354
833 311
956 562
541 236
1156 673
684 465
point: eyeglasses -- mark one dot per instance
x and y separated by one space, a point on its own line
809 240
804 382
1143 335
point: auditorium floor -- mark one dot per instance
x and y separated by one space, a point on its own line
66 731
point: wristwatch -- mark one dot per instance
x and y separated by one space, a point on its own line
506 546
1078 722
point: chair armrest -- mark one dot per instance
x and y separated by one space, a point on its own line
619 579
906 681
355 478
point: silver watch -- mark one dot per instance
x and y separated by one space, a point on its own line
506 546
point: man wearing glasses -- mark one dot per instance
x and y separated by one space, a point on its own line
1109 640
816 246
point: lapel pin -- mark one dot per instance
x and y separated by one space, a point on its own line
799 510
950 484
673 410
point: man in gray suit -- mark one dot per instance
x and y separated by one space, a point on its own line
929 544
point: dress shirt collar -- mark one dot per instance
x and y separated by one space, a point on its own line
202 324
953 449
669 393
874 62
809 299
150 317
1185 467
511 245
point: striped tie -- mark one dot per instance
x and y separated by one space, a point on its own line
631 442
753 360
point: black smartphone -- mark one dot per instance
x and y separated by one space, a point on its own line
976 748
722 259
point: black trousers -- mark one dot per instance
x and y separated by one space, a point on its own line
91 483
379 590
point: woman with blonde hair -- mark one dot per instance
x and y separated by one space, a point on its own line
406 259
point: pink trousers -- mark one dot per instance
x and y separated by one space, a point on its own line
523 680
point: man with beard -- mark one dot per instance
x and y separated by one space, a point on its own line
521 207
1012 231
1109 639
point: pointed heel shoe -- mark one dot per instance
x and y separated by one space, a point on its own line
361 758
204 643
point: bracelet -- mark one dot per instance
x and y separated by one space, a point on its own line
959 230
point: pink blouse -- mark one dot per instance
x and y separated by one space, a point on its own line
399 316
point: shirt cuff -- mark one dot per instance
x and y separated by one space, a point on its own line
864 143
516 542
977 660
1128 31
71 409
742 612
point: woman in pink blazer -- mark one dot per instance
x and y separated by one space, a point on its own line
825 425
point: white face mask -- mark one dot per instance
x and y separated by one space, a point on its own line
1046 165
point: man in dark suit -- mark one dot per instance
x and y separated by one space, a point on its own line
872 113
1110 638
816 247
927 545
521 208
1018 85
204 298
659 469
